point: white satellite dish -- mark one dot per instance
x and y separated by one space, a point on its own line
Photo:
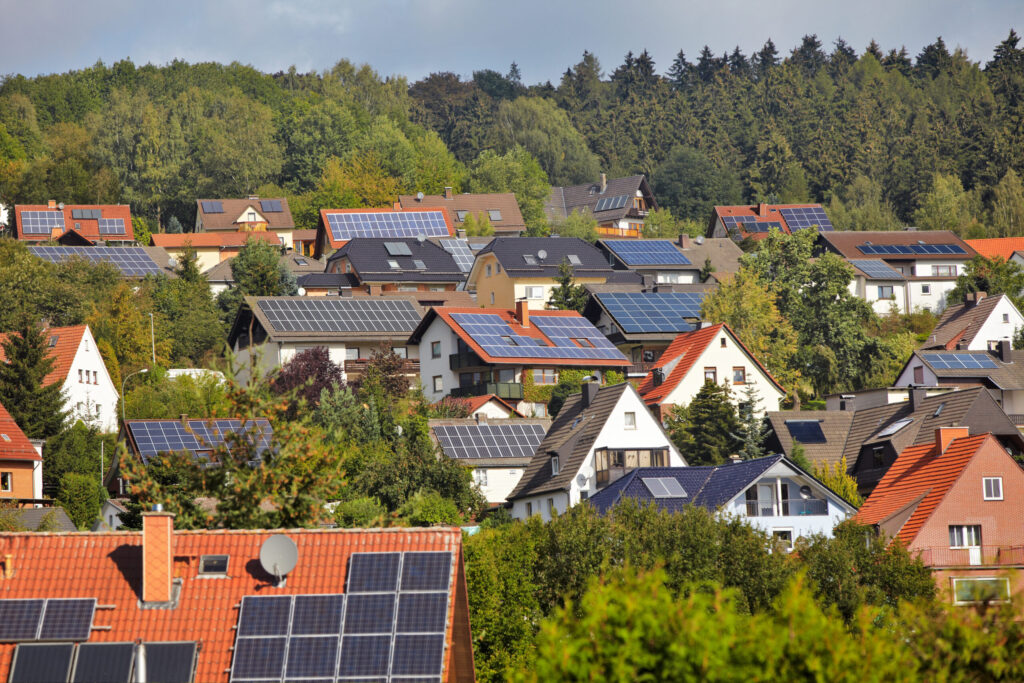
61 206
581 480
805 492
302 291
419 196
278 557
542 254
421 238
172 263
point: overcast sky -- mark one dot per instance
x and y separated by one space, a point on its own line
416 37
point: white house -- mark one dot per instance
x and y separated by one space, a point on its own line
878 284
599 435
978 324
710 354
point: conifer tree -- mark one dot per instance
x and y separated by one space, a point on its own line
705 431
567 296
37 409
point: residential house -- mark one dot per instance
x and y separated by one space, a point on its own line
74 224
498 452
928 260
469 352
221 278
513 269
666 262
46 518
1006 248
500 209
270 330
709 354
871 438
134 263
882 286
89 393
599 435
338 226
210 247
251 214
869 398
619 205
954 502
21 462
396 265
488 406
110 514
215 606
772 494
978 324
756 221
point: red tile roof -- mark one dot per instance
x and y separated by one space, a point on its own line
211 239
476 204
920 472
87 228
108 567
14 445
764 213
474 403
991 247
63 353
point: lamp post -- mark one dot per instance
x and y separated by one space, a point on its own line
152 338
125 381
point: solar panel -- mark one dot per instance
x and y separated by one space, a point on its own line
86 214
173 661
258 659
664 487
647 312
397 249
265 616
806 217
270 205
112 226
131 261
67 619
960 361
213 207
611 203
876 269
471 441
314 657
331 314
317 614
460 251
41 222
674 488
806 431
417 654
41 663
346 226
912 249
426 571
153 437
106 663
19 619
655 486
422 612
497 338
363 656
373 572
647 252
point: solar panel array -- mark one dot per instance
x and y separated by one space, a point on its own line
750 223
664 487
346 226
112 226
53 619
338 315
473 441
960 361
806 431
153 437
389 625
213 207
397 249
170 662
460 251
497 339
877 269
610 203
41 222
647 252
640 312
911 249
807 217
86 214
895 427
131 261
271 206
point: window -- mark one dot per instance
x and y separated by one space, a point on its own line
611 464
435 349
86 344
508 340
711 375
739 375
722 342
6 481
401 351
95 377
943 271
461 215
436 288
530 259
575 260
783 539
393 264
919 374
480 475
926 290
216 565
993 488
252 216
529 509
671 278
494 214
535 292
540 410
487 270
885 292
554 465
497 268
545 376
552 510
506 375
630 420
583 343
438 384
876 457
79 376
989 589
53 341
965 536
492 298
760 499
1006 317
352 353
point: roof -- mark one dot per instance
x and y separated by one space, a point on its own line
460 205
371 259
132 262
14 445
920 477
1003 376
1003 247
847 244
235 208
50 223
152 437
722 251
571 436
327 281
739 219
573 356
584 198
296 263
210 240
63 344
835 428
475 403
53 518
426 221
514 254
642 316
962 322
679 358
508 443
107 566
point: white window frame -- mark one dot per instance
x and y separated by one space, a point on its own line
535 292
778 539
480 474
351 353
926 290
1006 317
996 495
629 420
965 541
438 384
555 467
954 580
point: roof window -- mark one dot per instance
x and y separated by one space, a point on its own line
494 214
419 265
895 427
461 215
393 264
397 249
213 565
575 260
5 437
53 341
530 259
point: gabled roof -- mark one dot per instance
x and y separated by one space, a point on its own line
763 216
71 216
645 316
519 257
63 344
296 263
327 239
920 477
55 519
584 198
847 243
682 354
371 258
475 403
507 219
14 445
233 208
1003 247
962 322
1005 375
835 428
479 443
207 240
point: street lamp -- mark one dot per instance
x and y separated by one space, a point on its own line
152 338
125 381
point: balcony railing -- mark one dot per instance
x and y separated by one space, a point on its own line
507 390
609 231
639 369
358 367
1016 419
465 359
788 508
984 555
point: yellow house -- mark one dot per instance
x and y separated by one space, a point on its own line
512 269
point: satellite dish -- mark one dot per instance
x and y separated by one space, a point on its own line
61 206
278 557
419 196
581 480
421 238
805 492
302 291
542 254
172 263
700 239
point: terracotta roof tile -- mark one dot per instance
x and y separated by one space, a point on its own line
763 213
14 445
1004 247
87 228
475 403
211 239
511 218
63 352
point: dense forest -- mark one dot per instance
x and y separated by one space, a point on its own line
883 138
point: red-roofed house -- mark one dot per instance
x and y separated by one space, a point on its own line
211 247
1006 248
250 214
488 405
710 354
956 503
338 226
89 393
83 224
756 221
21 461
208 589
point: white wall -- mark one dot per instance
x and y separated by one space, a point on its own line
430 367
994 329
906 377
495 483
95 404
866 289
935 299
493 409
271 354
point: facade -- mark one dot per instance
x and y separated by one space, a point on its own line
978 324
221 278
338 226
21 462
756 221
955 503
709 354
499 209
668 262
619 205
885 288
488 406
74 224
385 265
211 248
251 214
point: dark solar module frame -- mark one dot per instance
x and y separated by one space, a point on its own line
960 361
67 619
112 226
397 249
472 441
806 431
640 313
41 222
331 314
647 252
153 437
213 207
912 249
131 261
611 203
270 206
460 251
750 223
105 663
802 218
86 214
41 663
664 487
346 226
174 660
497 339
876 268
19 619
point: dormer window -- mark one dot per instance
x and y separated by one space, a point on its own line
53 342
213 565
554 465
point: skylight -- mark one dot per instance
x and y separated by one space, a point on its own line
895 427
530 259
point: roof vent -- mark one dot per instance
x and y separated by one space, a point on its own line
658 375
278 557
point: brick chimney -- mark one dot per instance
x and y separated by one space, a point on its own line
917 394
523 313
684 241
51 204
157 555
448 193
975 298
762 209
604 182
945 435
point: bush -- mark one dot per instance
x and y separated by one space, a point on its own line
429 508
360 512
81 496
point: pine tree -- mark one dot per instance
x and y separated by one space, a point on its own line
174 226
753 429
680 74
705 430
567 296
37 409
766 59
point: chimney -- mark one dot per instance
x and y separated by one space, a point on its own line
8 566
917 394
975 298
523 313
945 435
1005 347
481 419
157 555
447 193
734 458
589 390
604 183
848 402
51 204
762 209
253 197
684 241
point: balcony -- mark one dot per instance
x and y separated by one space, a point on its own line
1016 419
465 359
512 391
639 369
611 231
977 556
356 368
793 507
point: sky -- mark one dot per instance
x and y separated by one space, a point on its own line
416 38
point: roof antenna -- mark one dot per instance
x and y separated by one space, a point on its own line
278 557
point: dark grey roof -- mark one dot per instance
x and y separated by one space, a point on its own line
584 198
329 280
1006 376
369 257
513 252
51 518
296 263
962 322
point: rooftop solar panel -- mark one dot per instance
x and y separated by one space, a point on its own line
363 656
131 261
112 226
41 222
270 205
422 613
370 613
803 218
39 663
346 226
895 427
611 203
961 361
67 619
373 572
258 659
86 214
213 207
806 431
647 252
471 441
107 662
573 338
877 269
417 654
312 658
336 315
460 251
19 619
653 312
153 437
664 487
920 249
426 571
317 615
397 249
174 661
